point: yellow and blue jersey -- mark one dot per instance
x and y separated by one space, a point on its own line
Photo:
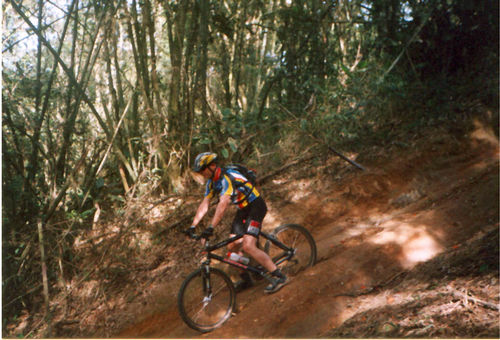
223 185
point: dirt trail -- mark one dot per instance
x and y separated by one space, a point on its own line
371 229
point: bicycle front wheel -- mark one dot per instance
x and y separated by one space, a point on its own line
206 299
300 240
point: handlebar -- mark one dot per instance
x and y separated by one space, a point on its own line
193 236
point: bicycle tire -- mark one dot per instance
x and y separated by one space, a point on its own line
299 238
195 310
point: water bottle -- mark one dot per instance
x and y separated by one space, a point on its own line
237 258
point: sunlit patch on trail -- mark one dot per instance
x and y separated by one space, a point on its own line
416 244
484 133
302 190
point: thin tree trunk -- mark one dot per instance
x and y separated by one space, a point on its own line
226 71
135 36
85 76
149 21
238 52
50 208
30 179
63 65
176 32
201 73
45 280
187 84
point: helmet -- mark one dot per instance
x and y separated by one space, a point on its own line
203 160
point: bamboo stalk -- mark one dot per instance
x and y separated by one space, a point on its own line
45 280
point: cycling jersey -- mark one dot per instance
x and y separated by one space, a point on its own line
222 185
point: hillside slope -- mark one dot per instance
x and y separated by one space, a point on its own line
408 248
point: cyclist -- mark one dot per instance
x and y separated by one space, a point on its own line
248 219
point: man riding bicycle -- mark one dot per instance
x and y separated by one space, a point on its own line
248 219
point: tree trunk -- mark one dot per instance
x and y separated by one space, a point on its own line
176 31
238 52
32 171
45 281
201 73
135 37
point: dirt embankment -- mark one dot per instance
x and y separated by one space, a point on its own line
408 248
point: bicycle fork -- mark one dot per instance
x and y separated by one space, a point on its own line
207 287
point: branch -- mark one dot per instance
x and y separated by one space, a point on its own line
107 151
417 31
273 173
357 165
475 300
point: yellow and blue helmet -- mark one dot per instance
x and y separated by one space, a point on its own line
203 160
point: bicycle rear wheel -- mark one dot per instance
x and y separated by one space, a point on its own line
298 238
206 299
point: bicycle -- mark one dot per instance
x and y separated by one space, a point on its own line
207 296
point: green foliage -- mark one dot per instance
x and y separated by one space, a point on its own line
78 216
232 123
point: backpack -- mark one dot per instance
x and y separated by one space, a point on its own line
249 174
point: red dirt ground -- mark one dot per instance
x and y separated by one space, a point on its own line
397 245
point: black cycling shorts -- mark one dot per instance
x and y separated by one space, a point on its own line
249 219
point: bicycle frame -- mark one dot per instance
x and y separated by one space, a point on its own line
207 297
280 258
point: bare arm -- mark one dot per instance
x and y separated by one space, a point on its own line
202 210
221 208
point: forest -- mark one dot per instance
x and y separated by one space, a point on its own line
105 104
